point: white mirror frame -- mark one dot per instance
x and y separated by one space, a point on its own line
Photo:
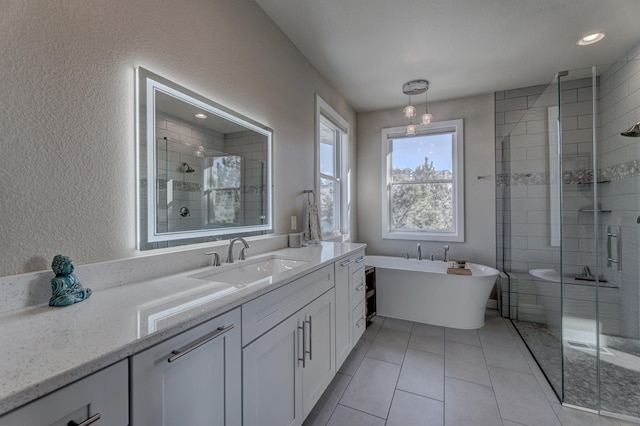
147 84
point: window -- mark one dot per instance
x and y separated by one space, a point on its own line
423 183
332 136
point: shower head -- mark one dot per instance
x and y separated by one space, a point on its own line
633 132
188 168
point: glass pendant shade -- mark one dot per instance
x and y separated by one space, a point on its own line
411 130
426 118
409 112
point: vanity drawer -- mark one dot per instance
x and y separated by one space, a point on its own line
358 284
262 314
358 321
101 396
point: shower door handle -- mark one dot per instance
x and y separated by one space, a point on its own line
614 252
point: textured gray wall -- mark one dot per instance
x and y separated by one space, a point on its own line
67 116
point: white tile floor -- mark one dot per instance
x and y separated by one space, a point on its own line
404 373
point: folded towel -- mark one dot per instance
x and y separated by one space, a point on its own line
312 220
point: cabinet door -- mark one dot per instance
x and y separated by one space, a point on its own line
319 367
272 393
343 311
193 378
102 396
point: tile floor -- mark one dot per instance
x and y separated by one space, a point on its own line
619 375
404 373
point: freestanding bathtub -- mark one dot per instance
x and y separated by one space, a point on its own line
422 291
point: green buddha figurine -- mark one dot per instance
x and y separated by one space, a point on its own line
65 287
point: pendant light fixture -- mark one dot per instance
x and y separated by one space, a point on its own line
410 88
426 117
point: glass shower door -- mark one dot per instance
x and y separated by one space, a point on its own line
569 209
581 215
618 298
601 183
529 200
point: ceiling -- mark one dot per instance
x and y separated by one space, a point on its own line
367 49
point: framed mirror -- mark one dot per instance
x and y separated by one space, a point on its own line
204 171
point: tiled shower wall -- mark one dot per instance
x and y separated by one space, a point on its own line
186 188
523 216
526 163
251 146
619 162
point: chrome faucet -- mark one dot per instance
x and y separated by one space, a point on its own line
230 254
446 249
586 272
419 253
216 258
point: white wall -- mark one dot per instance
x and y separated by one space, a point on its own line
67 116
480 229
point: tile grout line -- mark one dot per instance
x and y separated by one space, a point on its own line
495 398
395 388
339 399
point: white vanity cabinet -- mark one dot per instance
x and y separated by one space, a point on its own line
286 369
193 378
350 292
101 399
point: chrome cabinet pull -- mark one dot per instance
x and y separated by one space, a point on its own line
304 333
360 259
310 351
89 421
182 352
346 263
360 322
360 286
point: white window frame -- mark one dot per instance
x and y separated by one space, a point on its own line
456 128
324 112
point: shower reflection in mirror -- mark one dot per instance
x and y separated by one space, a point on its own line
217 165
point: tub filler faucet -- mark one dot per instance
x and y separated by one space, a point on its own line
419 252
446 249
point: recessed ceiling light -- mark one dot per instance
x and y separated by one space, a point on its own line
200 115
590 39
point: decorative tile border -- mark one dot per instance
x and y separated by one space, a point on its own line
617 172
197 187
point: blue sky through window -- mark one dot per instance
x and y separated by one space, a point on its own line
410 152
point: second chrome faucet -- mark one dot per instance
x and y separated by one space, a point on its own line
241 255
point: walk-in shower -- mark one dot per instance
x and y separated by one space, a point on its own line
568 213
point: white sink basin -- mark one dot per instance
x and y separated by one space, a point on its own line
251 270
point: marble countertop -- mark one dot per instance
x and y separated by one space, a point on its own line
43 348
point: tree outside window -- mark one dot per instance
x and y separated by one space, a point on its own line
423 189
